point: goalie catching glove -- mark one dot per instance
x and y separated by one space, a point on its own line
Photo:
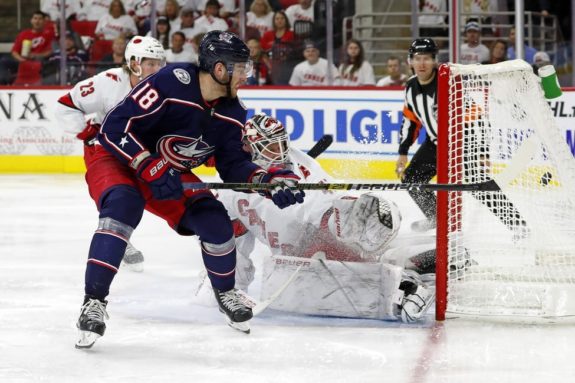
164 181
367 223
286 192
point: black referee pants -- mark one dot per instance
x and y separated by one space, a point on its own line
422 168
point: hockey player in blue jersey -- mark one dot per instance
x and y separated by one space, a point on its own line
170 123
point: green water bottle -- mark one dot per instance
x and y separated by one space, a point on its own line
549 82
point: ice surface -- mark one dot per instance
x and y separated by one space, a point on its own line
157 334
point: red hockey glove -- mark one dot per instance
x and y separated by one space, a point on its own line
164 181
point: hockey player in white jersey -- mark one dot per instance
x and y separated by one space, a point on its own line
350 234
81 111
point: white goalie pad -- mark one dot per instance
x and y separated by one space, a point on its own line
333 288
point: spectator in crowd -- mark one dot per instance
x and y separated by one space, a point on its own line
94 10
303 10
177 53
472 51
195 43
431 19
279 45
33 44
528 51
189 27
116 58
260 16
314 70
51 8
140 11
497 53
281 32
115 23
355 70
210 21
163 31
261 64
395 77
540 60
227 7
172 13
483 9
75 60
275 4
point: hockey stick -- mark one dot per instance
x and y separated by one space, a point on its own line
482 186
320 146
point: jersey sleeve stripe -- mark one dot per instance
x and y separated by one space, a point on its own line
67 101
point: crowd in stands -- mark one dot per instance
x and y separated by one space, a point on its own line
282 35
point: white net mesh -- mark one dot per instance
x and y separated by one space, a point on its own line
512 252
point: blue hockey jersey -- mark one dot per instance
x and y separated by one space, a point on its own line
165 113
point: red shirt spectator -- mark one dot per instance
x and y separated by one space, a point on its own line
281 33
40 40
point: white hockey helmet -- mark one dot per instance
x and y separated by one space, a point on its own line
268 140
141 47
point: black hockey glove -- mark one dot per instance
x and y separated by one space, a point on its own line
164 181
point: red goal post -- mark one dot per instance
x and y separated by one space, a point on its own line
509 253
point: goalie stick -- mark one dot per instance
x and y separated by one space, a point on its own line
320 146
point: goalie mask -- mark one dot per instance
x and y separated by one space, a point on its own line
267 140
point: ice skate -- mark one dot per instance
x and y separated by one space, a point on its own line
237 308
133 259
423 225
91 324
417 298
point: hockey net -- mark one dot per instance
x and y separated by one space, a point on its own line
508 253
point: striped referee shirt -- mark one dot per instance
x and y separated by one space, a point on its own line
419 109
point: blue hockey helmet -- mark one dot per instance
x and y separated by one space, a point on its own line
223 47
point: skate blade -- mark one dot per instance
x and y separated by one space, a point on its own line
86 339
134 267
239 326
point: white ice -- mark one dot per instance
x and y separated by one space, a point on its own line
156 334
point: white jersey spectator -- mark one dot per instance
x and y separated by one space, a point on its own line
394 75
355 70
389 81
52 8
301 11
94 10
210 21
313 71
226 6
260 16
177 53
473 52
116 23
